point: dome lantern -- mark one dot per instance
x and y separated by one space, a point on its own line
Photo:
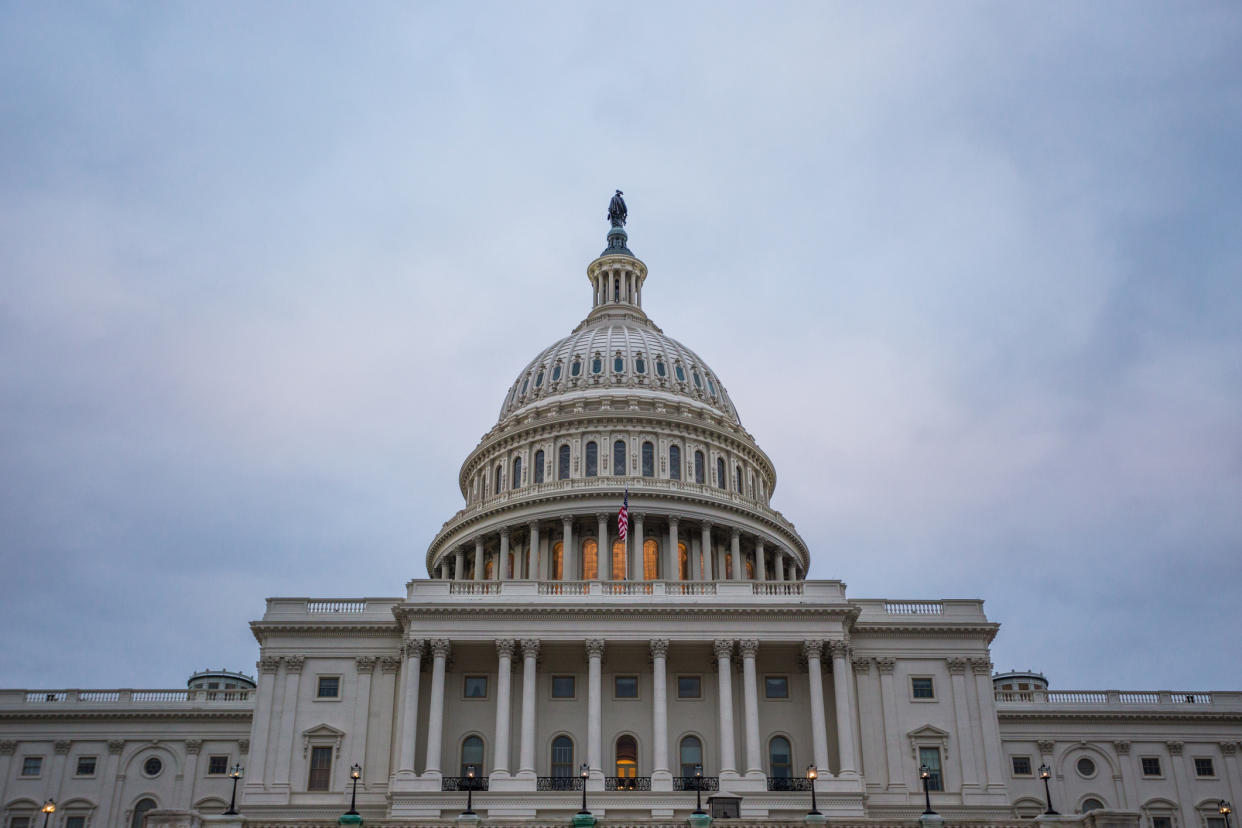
617 276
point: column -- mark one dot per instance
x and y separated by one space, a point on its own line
739 569
186 798
1129 773
659 712
761 564
526 752
435 714
819 734
365 667
264 709
478 558
532 550
1229 757
459 565
892 736
504 672
1178 764
288 718
595 654
569 560
842 677
672 571
982 668
778 563
409 704
705 551
8 748
502 563
723 648
605 551
636 547
961 713
749 648
111 787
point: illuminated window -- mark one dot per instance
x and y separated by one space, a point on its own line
590 560
562 463
627 757
592 459
674 462
618 458
539 466
750 570
619 564
488 569
651 560
558 561
683 562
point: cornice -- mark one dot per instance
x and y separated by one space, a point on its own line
371 629
542 612
965 630
44 714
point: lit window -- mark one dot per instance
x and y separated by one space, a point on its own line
562 687
592 459
689 687
1021 765
618 458
1151 765
674 462
620 560
329 687
625 687
558 561
651 560
1204 767
475 687
217 765
776 687
32 765
539 466
921 687
590 560
86 766
930 756
683 562
626 754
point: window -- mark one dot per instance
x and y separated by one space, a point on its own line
32 765
690 753
1151 765
618 458
640 365
618 364
539 465
620 560
517 473
626 754
525 382
1091 804
674 462
698 381
683 562
625 687
19 822
930 756
558 562
562 757
562 687
86 766
720 473
737 478
711 386
496 488
776 687
152 766
681 374
592 459
689 687
475 687
575 369
472 756
1021 765
699 472
651 560
1204 767
1161 822
1085 767
590 560
75 822
921 687
539 379
780 759
597 366
648 459
320 776
140 812
217 765
1212 821
661 371
556 372
562 463
329 687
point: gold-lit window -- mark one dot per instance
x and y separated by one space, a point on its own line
651 560
683 562
590 560
558 561
627 757
750 570
619 563
488 569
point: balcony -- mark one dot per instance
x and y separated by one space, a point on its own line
696 783
522 591
463 783
627 783
789 783
558 783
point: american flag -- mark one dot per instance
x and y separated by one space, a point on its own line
623 516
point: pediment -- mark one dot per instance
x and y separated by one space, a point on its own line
928 736
323 735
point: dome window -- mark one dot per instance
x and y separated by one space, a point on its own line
562 463
576 368
648 459
720 473
592 459
556 372
597 366
698 381
681 374
525 383
698 467
661 371
640 365
618 458
539 379
674 462
539 466
618 364
711 386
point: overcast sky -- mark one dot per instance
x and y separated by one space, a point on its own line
970 272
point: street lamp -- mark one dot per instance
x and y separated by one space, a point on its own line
925 775
1044 773
812 773
49 808
698 789
1225 810
584 772
235 774
355 773
469 791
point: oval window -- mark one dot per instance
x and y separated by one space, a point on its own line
640 365
660 370
1086 767
698 383
539 379
597 366
556 372
681 375
618 364
152 766
576 368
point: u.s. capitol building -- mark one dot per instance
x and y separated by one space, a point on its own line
693 658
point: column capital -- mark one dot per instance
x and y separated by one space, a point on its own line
8 747
886 666
595 647
1175 748
636 516
504 531
390 664
1122 748
567 518
414 647
193 746
365 664
505 647
62 746
532 525
673 520
603 515
243 747
862 665
957 666
735 533
812 649
748 647
1046 747
293 664
530 647
839 648
659 648
268 664
723 647
706 525
440 647
116 745
1226 748
980 666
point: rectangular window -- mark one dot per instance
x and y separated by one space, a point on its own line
1151 765
1021 765
1204 767
776 687
562 687
86 766
75 822
626 687
320 769
217 765
1161 822
32 765
476 687
19 822
1215 822
689 687
921 687
329 687
930 756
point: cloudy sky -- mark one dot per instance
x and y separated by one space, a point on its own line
971 273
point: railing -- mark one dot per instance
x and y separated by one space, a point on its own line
696 783
627 783
564 587
914 607
627 587
160 695
779 588
463 783
558 783
788 783
689 588
40 696
1076 697
228 695
69 698
99 695
336 606
1103 697
1138 698
1192 698
474 588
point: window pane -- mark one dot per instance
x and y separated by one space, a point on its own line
689 687
776 687
558 561
218 765
597 366
472 756
1021 766
32 765
640 366
75 822
780 762
691 754
86 766
648 460
1151 765
626 687
681 375
576 368
539 466
562 687
517 473
651 560
562 757
931 758
140 812
556 372
618 364
720 473
329 687
562 463
698 467
592 459
590 560
660 369
618 458
627 757
922 688
674 462
476 687
320 769
1203 767
620 564
683 562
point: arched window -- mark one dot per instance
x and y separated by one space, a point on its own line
562 757
780 759
539 466
720 472
562 463
576 368
661 371
651 560
699 470
558 561
590 560
517 473
691 754
489 569
539 378
499 472
513 569
683 562
592 459
597 365
648 460
627 757
728 567
680 372
750 570
698 381
618 364
525 383
140 812
616 289
1093 804
472 756
640 365
618 458
619 564
674 462
737 479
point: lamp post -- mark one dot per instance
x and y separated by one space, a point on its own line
925 775
469 791
698 789
584 772
812 773
1044 774
1225 810
355 773
234 774
49 808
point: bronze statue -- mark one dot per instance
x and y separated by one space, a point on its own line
617 211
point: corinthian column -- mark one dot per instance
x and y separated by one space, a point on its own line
478 558
526 753
569 559
500 761
636 547
739 569
409 705
532 550
724 664
605 552
502 568
704 570
819 733
842 677
673 570
750 692
659 715
761 564
595 654
435 713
